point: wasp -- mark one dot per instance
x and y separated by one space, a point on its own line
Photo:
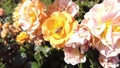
58 30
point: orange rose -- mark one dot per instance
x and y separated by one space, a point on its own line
22 37
5 29
58 28
29 15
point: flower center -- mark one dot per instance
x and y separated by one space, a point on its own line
108 23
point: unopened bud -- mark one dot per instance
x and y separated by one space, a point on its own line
1 12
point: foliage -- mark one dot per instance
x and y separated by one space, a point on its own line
8 6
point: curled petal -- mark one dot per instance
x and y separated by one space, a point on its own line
81 36
109 51
73 56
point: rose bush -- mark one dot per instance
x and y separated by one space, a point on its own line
59 33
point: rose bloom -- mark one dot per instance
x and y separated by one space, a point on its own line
29 15
22 37
103 22
73 56
58 28
111 62
5 30
77 45
63 5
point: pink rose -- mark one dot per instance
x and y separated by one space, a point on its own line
63 5
77 45
103 21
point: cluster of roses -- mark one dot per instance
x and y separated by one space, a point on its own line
100 28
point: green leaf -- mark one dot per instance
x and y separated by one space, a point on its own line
22 49
2 65
34 65
44 49
23 54
80 65
37 57
1 40
92 55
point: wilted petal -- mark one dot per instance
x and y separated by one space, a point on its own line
72 9
111 62
73 56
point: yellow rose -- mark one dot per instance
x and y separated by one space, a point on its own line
58 28
22 37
